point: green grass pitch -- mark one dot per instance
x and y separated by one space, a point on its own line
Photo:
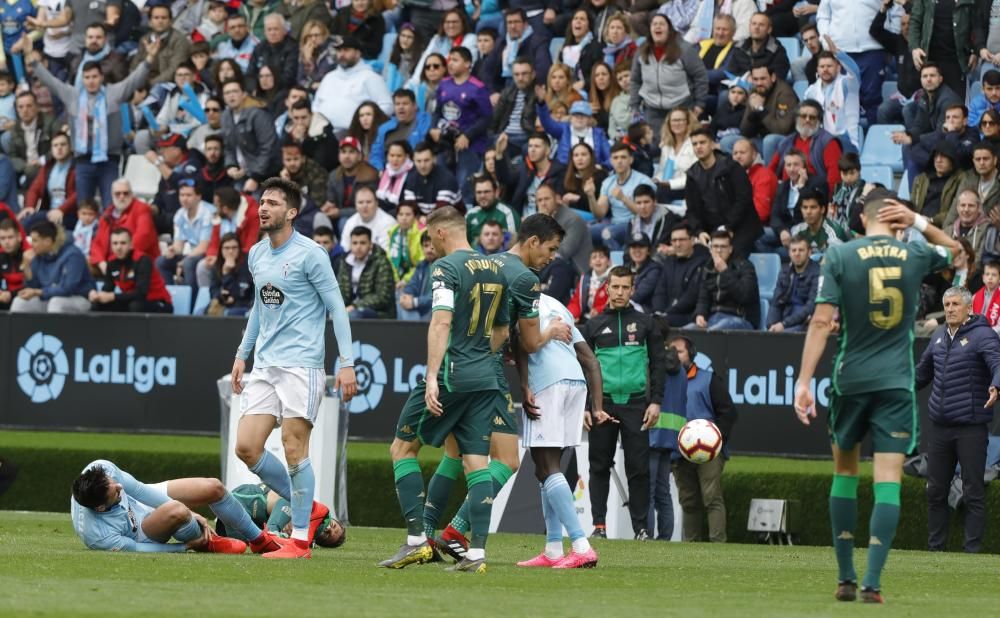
44 570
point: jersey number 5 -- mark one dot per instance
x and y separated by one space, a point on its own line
888 298
495 291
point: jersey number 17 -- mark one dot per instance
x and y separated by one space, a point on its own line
495 292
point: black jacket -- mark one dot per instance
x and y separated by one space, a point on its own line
908 79
929 110
793 305
773 54
721 195
646 278
962 369
283 59
615 336
676 292
781 217
522 178
734 291
505 106
962 143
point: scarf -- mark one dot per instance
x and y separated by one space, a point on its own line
89 57
511 51
390 185
57 183
611 51
355 21
571 53
596 283
399 252
81 128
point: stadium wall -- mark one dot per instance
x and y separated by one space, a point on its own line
133 373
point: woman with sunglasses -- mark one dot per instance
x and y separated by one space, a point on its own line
406 52
435 69
213 126
452 33
989 126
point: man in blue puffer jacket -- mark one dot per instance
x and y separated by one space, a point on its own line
59 280
963 362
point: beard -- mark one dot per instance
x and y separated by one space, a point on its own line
805 130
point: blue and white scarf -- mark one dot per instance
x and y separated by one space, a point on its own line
610 51
88 57
81 127
510 52
571 53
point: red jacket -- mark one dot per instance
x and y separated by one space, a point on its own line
7 213
38 193
136 218
831 160
247 229
579 304
992 313
765 185
11 273
135 277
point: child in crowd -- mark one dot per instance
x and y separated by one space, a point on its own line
620 115
640 140
986 301
729 115
846 206
86 225
404 243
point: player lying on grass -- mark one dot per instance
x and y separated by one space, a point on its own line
555 380
113 511
272 512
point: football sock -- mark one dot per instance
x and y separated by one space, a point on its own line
885 517
843 521
410 491
500 473
189 531
553 528
561 500
303 488
270 470
237 520
438 492
480 506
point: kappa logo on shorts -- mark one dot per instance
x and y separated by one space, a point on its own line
498 421
900 435
272 296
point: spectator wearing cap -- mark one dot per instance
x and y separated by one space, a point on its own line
168 47
795 294
718 193
770 109
728 298
239 43
176 164
30 138
461 120
365 275
52 194
579 129
173 117
131 213
822 148
785 212
252 151
60 280
278 51
345 88
647 271
131 284
407 123
728 116
192 233
354 172
430 185
676 292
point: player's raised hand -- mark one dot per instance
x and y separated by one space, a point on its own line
239 366
431 392
346 383
993 397
805 405
897 215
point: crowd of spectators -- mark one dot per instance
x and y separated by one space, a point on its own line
676 137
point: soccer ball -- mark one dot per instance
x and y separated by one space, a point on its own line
699 441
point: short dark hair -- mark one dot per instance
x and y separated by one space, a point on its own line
233 80
761 64
541 225
636 131
797 239
703 131
540 136
492 33
96 25
814 195
323 230
958 106
602 250
362 230
991 78
644 191
621 146
425 235
216 138
9 224
302 104
815 105
228 197
931 65
992 264
683 225
795 152
92 65
807 27
401 143
45 229
462 53
121 230
405 93
849 161
516 11
290 190
90 489
621 271
491 223
985 146
423 146
291 144
481 178
86 203
411 205
161 6
187 64
722 232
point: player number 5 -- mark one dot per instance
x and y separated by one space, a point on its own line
495 290
886 317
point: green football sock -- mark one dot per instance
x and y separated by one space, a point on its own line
843 521
500 473
410 491
885 517
438 492
480 506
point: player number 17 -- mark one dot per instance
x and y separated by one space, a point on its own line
495 290
886 317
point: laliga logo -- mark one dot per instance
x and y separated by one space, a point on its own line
371 375
42 368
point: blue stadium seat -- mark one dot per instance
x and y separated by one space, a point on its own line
201 301
768 267
555 45
800 88
617 258
975 90
877 173
765 306
879 149
904 186
889 89
181 296
791 45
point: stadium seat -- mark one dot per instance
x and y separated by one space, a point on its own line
765 306
181 296
877 173
791 45
617 258
143 176
889 89
904 186
800 88
555 45
768 267
879 149
201 301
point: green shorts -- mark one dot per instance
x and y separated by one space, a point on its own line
890 416
504 420
467 415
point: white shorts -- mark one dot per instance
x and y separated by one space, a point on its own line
284 392
561 425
